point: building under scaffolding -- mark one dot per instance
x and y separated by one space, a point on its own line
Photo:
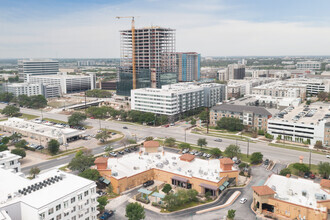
155 60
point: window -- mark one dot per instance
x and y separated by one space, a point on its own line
11 162
58 207
58 217
73 199
50 211
73 209
66 214
42 215
73 218
86 193
66 204
79 197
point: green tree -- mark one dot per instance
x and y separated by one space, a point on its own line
53 146
90 174
201 142
3 148
81 161
193 121
37 101
15 136
170 142
324 169
167 188
108 149
21 144
11 111
301 168
34 171
231 124
97 112
110 189
231 214
6 96
243 165
203 116
135 211
19 152
98 93
5 140
308 102
285 172
216 152
318 145
103 136
256 158
184 146
149 138
76 119
103 201
232 151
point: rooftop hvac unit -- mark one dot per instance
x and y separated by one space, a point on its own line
273 187
114 174
320 196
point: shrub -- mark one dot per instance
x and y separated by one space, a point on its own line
269 136
261 132
256 158
285 172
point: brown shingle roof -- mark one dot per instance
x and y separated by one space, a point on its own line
101 160
187 157
148 144
263 190
325 183
226 161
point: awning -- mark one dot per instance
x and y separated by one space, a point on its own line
101 179
178 178
208 186
106 181
144 191
221 187
225 184
156 194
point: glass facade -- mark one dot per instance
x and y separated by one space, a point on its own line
125 83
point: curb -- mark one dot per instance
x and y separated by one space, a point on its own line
238 193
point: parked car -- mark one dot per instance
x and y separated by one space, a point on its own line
127 150
172 124
39 147
266 162
148 183
185 151
243 200
312 176
113 133
218 140
107 215
121 152
204 154
166 126
208 155
100 192
306 176
328 156
113 154
125 127
91 117
238 161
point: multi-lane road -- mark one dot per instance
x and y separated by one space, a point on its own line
274 153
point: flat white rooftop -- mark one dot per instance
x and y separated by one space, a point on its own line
10 184
40 129
133 163
292 190
7 156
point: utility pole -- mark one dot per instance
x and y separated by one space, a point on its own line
310 158
207 120
85 105
41 115
185 135
247 153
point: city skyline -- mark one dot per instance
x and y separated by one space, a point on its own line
80 29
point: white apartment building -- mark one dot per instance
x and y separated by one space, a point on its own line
68 83
288 89
36 67
308 65
177 98
300 124
10 161
313 85
52 195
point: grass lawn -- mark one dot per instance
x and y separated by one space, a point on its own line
295 148
65 122
29 117
227 136
65 153
114 140
314 169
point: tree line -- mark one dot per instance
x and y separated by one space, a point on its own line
35 101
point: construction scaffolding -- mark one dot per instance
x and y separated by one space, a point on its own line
154 51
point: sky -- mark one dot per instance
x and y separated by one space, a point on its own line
89 29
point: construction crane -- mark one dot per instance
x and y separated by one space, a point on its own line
133 48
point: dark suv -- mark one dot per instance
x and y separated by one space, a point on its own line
148 183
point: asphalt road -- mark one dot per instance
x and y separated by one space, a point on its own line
281 155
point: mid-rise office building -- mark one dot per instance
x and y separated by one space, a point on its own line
313 85
36 67
68 83
28 89
309 65
188 66
10 161
254 117
177 98
155 60
51 195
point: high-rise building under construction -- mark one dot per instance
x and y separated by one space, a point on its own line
154 58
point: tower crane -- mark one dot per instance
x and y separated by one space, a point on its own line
133 48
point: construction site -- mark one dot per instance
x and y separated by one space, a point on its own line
148 58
